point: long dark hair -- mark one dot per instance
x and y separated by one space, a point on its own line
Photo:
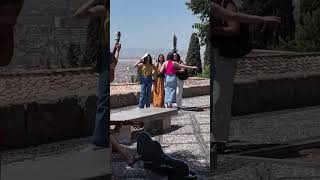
158 60
170 56
178 56
147 58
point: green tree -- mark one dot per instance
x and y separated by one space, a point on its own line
270 37
193 56
307 38
309 6
201 9
175 44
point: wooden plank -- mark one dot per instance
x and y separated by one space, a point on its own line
76 166
149 114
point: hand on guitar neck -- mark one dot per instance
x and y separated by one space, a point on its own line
115 56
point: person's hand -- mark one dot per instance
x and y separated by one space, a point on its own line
194 67
271 19
118 46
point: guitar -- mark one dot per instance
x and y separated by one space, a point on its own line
115 57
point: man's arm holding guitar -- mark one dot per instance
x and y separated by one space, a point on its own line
222 13
115 54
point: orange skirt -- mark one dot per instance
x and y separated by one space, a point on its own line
158 92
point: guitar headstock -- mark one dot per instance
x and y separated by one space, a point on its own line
118 36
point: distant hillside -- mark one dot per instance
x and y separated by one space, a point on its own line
134 53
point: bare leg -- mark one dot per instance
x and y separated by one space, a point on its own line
117 147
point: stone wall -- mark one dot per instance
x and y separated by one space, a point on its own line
67 117
272 93
73 116
43 31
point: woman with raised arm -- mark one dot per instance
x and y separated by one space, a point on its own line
147 70
169 68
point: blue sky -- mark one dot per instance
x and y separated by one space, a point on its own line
151 23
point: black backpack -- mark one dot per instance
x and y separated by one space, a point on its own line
236 46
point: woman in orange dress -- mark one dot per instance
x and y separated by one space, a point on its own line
158 85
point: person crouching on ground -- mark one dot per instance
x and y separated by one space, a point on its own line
147 69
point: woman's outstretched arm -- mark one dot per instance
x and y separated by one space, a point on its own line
223 13
185 66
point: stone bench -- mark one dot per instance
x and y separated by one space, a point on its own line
87 165
153 118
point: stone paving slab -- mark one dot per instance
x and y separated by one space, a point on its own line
265 129
182 143
74 166
187 150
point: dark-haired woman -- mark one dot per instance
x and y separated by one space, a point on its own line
169 68
180 82
158 85
147 69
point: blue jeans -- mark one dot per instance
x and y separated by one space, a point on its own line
145 93
100 136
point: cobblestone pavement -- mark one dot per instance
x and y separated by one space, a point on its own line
269 129
188 140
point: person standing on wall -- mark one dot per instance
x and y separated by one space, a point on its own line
230 39
100 9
